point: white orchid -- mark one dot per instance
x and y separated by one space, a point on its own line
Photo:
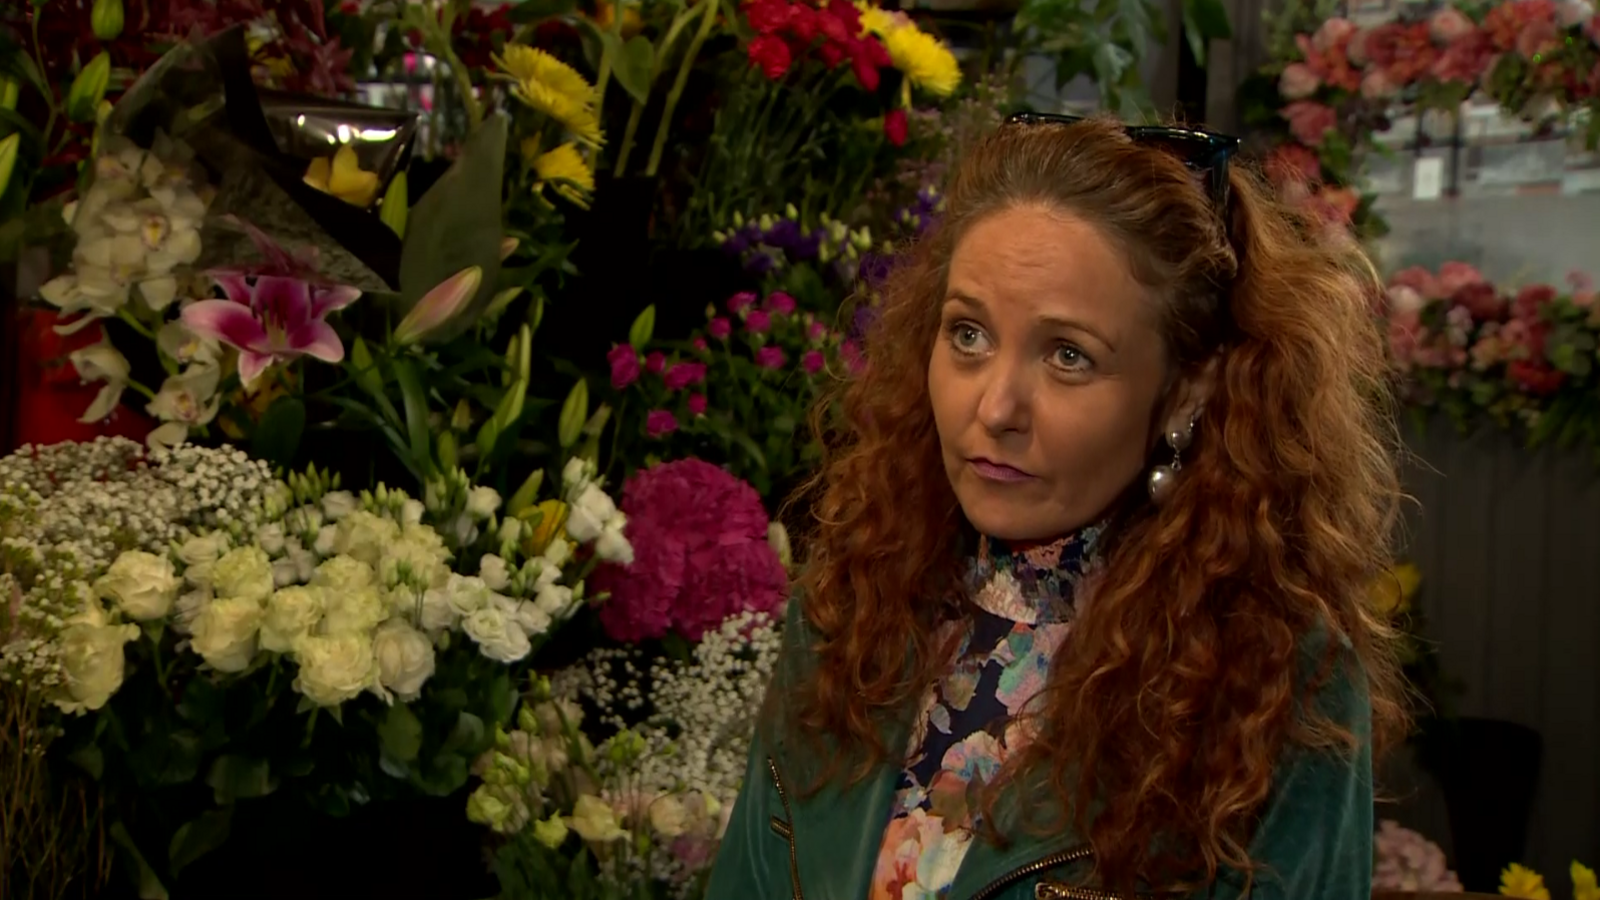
102 362
185 401
184 347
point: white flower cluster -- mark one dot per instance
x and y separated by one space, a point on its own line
67 512
137 223
1404 860
593 516
667 782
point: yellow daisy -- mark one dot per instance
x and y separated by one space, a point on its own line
1521 881
1584 886
926 62
570 173
554 88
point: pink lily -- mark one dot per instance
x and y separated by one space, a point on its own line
271 319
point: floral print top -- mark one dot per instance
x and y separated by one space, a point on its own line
967 725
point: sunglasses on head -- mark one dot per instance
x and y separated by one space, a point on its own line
1204 152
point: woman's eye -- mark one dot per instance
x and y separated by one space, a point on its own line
966 337
1070 358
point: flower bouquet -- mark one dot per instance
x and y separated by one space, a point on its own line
204 630
1403 860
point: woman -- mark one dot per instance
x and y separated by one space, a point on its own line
1083 612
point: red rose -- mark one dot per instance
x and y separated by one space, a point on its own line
1531 300
866 70
1535 377
804 23
831 54
767 16
771 54
894 127
1482 300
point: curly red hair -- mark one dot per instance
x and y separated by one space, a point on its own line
1162 726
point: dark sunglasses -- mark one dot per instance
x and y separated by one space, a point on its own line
1203 152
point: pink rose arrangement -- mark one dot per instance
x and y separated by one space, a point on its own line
1404 860
1468 348
700 554
1340 80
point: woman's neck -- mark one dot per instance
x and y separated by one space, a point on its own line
1032 581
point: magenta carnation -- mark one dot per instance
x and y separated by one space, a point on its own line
700 554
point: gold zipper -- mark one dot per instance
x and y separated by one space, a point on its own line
1049 890
1042 865
786 828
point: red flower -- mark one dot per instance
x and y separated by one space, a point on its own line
1505 22
1481 299
1402 52
1535 377
894 127
1531 301
771 54
767 16
1466 59
805 22
683 374
624 362
1293 162
1310 122
864 64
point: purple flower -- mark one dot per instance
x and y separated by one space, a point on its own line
655 362
271 319
874 268
624 362
770 357
812 362
683 374
660 423
862 322
758 321
779 303
720 328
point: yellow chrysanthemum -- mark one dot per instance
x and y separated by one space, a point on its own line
925 61
604 14
1392 592
554 88
565 169
1584 886
1521 881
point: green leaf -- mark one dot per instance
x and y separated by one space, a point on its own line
400 734
277 436
149 885
416 403
199 836
456 224
574 412
632 64
369 376
239 778
643 328
538 10
1210 20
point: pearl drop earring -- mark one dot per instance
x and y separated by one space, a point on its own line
1164 478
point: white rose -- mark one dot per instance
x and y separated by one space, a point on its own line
498 636
466 594
204 549
589 514
612 546
244 572
668 816
405 658
437 613
557 552
93 664
576 473
482 502
365 536
492 569
143 585
552 599
413 562
304 520
296 566
343 573
338 504
291 614
510 530
225 633
352 612
327 542
532 619
595 821
188 608
411 512
335 668
269 537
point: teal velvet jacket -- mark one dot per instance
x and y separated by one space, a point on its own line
1313 840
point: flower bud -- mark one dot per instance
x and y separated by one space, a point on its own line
461 418
525 495
106 19
643 328
395 206
89 88
446 450
8 159
10 89
439 305
574 412
789 212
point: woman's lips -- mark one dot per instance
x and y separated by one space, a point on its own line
989 470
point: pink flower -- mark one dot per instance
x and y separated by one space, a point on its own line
655 362
683 374
1404 300
1538 38
1420 280
1530 302
850 351
770 357
700 345
1376 85
741 300
697 404
1465 60
1298 82
757 321
700 554
812 362
271 319
817 331
1333 33
779 303
1453 276
624 362
1449 25
1405 333
1481 300
1309 121
719 328
660 423
1293 163
1404 860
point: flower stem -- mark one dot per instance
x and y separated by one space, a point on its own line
458 70
148 394
628 134
134 323
706 23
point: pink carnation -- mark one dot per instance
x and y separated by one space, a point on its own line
700 554
660 423
812 361
1298 81
1453 276
1310 122
741 300
719 327
655 362
1449 25
697 404
683 374
624 362
779 303
1404 860
770 357
758 321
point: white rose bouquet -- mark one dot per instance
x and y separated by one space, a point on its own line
647 802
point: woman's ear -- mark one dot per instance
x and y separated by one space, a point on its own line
1190 395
